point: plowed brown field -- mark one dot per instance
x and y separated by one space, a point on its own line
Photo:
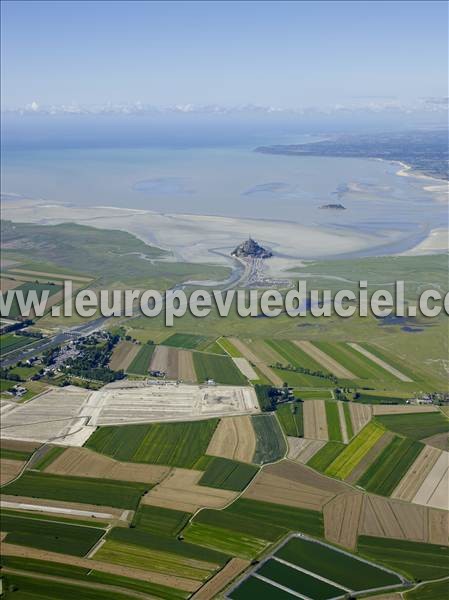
234 438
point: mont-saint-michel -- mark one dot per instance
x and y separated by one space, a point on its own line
251 249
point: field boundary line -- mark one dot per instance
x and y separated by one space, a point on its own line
284 588
312 574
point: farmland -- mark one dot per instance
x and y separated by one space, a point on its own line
415 559
27 287
160 521
383 475
333 422
224 540
416 426
290 417
354 452
10 342
234 438
270 442
227 474
219 368
188 341
141 363
123 355
118 494
230 348
50 535
174 444
325 456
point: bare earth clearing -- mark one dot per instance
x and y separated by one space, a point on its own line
234 438
180 491
380 362
165 359
186 368
327 362
82 462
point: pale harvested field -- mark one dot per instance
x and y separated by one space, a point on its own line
8 284
301 449
180 491
234 438
341 519
59 275
292 484
41 504
9 469
265 353
439 440
249 354
382 517
438 526
401 409
327 362
165 359
343 428
414 478
445 410
244 367
123 355
186 368
434 490
82 462
360 415
223 578
152 576
19 445
315 421
370 457
380 362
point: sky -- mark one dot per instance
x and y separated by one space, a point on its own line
278 54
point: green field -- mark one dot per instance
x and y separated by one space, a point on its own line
354 452
436 590
299 581
188 341
293 355
118 494
27 287
48 458
14 454
50 535
219 368
10 342
160 521
33 588
325 456
384 474
270 442
227 474
348 420
416 426
86 576
268 514
141 362
229 347
338 567
313 394
224 540
333 421
173 444
235 519
377 398
296 379
290 417
256 588
417 560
